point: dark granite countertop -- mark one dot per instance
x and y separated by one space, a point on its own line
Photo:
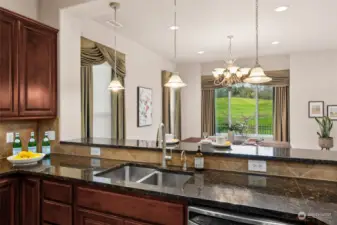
251 194
238 151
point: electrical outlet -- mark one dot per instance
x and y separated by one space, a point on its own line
95 151
95 162
10 137
51 135
257 165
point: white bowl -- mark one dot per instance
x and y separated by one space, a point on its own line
25 162
220 145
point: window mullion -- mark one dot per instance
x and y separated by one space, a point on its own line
256 111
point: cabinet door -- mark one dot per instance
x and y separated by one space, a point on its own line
30 201
37 70
8 202
131 222
8 69
87 217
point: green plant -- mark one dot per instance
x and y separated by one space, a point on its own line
325 126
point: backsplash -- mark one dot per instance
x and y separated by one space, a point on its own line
25 128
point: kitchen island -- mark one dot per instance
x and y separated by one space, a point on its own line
268 196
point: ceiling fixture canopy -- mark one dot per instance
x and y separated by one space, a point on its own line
175 80
115 85
257 75
231 74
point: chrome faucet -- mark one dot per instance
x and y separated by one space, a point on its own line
161 138
183 159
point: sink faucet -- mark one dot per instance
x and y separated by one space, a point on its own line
162 138
183 159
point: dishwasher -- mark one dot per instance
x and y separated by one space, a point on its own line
207 216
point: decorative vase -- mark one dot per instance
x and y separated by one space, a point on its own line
325 143
231 136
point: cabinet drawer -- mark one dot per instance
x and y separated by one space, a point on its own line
57 192
152 211
56 213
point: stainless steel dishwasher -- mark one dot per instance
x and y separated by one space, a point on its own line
207 216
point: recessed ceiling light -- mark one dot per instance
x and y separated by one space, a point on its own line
275 43
201 52
281 8
174 27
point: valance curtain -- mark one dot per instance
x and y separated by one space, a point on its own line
93 53
208 111
171 107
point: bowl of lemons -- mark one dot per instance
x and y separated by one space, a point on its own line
25 158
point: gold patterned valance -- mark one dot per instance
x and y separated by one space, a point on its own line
280 78
93 53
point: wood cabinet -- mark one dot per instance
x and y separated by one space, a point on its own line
56 213
30 201
8 202
28 68
87 217
8 70
131 222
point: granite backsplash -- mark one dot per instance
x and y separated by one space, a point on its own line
25 127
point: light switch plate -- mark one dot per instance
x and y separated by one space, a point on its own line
95 151
51 135
257 165
10 137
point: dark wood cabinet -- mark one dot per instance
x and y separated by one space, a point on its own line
87 217
8 202
56 213
131 222
28 68
8 69
30 201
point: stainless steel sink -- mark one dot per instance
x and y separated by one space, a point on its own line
166 179
126 173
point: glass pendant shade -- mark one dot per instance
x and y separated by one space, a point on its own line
115 85
257 76
175 81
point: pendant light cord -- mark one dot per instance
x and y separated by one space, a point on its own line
230 47
257 31
175 31
115 72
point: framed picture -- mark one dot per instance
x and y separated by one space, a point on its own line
332 112
316 109
144 106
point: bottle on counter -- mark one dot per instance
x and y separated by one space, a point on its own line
17 145
199 160
32 143
46 144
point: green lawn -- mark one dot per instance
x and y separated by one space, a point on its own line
245 107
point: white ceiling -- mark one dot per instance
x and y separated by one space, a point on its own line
307 25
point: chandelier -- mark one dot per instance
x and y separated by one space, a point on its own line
231 74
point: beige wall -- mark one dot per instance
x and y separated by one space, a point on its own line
312 78
28 8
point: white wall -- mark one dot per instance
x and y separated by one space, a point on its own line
191 100
191 95
27 8
101 101
143 68
312 77
49 10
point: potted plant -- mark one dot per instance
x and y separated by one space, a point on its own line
325 126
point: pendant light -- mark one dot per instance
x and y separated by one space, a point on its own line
257 75
115 85
230 74
175 80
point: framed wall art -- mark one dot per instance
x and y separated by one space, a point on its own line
315 109
144 106
332 112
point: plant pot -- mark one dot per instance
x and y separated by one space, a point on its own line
231 136
325 143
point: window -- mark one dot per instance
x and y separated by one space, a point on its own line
250 107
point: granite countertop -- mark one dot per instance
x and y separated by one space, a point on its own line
238 151
263 195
